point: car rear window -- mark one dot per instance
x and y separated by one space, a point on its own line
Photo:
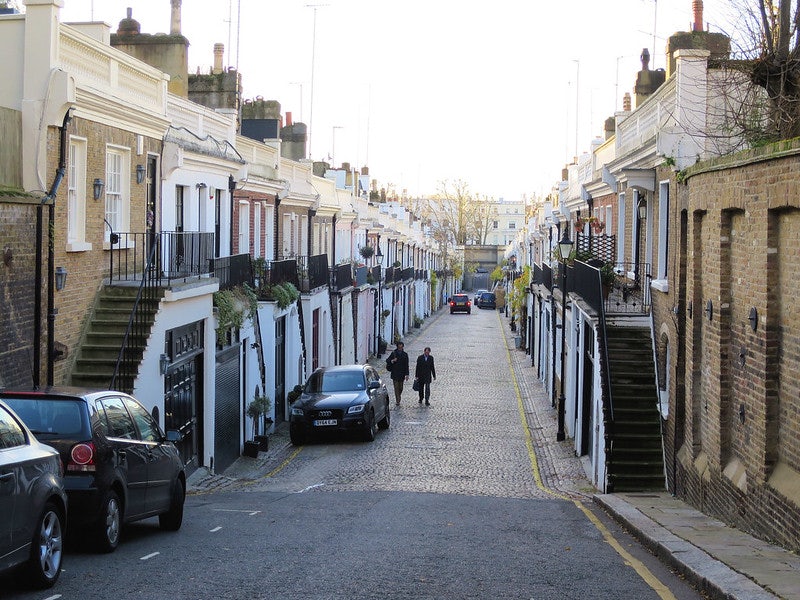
50 417
459 297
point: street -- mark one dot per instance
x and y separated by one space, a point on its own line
468 498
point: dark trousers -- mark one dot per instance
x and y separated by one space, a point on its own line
424 390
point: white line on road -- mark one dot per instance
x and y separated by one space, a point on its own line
311 487
249 512
215 530
54 596
149 556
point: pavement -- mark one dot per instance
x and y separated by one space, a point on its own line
720 561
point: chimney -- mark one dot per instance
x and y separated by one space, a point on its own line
288 119
219 51
697 10
626 102
175 18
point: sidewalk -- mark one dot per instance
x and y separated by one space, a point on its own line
719 560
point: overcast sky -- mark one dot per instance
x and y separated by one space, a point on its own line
428 90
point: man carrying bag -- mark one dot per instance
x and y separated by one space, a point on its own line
397 365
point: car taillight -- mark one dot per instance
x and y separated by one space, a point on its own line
452 303
467 302
82 458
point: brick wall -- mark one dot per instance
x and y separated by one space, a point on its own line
732 438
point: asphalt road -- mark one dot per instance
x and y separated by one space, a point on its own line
450 502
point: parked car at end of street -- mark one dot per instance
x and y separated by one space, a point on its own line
33 504
460 303
342 399
119 466
488 300
476 298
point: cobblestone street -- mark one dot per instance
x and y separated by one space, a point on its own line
471 440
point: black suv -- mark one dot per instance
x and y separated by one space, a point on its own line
488 300
460 303
118 464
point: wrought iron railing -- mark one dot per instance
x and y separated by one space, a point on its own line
361 276
602 247
407 274
630 293
233 270
176 256
341 276
318 270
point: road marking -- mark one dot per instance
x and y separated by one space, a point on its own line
54 596
149 556
640 568
311 487
250 512
215 530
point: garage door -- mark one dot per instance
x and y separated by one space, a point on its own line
226 411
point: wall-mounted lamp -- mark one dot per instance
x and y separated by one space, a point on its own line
709 309
139 173
201 186
642 208
163 364
753 318
741 413
97 188
61 278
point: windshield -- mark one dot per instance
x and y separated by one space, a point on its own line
335 381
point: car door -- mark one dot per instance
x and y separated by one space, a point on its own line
378 395
128 453
10 500
161 462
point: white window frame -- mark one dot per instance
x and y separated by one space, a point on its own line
244 227
117 193
76 196
660 282
621 228
257 221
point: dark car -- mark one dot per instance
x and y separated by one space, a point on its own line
476 299
33 505
343 399
488 300
460 303
119 465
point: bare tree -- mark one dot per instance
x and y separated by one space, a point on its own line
764 35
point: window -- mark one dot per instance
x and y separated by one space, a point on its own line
257 230
621 229
11 434
148 429
495 224
117 189
120 424
512 225
663 236
244 228
76 196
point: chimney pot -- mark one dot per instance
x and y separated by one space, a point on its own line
219 51
697 10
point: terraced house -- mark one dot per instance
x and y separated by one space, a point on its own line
154 243
665 335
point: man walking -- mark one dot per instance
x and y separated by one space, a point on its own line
397 365
424 372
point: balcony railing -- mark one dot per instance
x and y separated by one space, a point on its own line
341 276
312 271
178 256
233 270
267 273
361 276
407 274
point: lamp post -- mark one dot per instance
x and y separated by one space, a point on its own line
641 215
564 249
379 259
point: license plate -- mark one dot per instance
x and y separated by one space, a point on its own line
325 422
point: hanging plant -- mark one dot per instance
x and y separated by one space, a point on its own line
284 294
233 307
366 251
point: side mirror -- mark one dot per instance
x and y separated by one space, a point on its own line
174 436
374 385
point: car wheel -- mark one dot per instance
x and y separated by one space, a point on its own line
44 565
109 528
172 519
372 427
297 438
384 422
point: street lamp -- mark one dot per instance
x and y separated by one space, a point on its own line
564 249
379 259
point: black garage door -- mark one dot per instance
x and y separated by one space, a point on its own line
226 410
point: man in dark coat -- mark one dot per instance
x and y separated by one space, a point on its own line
424 372
397 365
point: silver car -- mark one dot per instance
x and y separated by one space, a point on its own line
33 503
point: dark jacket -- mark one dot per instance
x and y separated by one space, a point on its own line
425 369
397 364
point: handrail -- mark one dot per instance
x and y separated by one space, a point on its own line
126 366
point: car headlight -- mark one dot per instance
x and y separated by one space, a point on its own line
357 409
297 412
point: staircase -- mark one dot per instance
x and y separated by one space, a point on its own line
634 456
99 350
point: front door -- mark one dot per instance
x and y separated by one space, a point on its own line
280 368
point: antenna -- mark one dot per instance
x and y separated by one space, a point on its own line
313 56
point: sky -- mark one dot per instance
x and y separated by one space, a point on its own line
431 91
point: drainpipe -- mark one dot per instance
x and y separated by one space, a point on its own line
50 200
275 228
333 241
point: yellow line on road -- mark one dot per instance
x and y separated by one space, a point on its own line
638 566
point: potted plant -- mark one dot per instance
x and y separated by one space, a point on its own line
296 392
607 277
257 410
